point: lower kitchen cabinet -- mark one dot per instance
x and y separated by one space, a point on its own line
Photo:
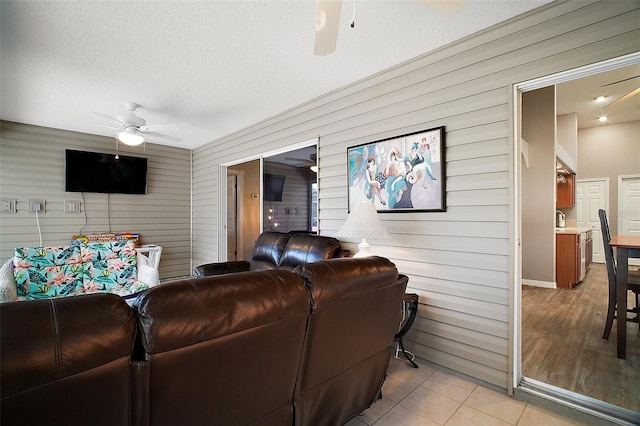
574 254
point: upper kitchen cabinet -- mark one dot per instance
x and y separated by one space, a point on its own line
566 190
566 143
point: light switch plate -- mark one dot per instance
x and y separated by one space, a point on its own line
72 206
8 205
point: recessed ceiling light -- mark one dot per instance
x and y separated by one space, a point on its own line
602 118
600 99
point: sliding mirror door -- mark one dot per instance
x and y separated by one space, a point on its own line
290 191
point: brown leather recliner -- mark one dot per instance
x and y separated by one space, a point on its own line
66 361
279 250
223 350
355 314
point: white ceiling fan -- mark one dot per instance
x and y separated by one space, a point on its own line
133 129
303 162
328 20
624 97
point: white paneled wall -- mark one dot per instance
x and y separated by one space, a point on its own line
458 261
32 166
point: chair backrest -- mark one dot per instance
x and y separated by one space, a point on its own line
608 250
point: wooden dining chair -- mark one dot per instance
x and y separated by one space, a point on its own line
633 281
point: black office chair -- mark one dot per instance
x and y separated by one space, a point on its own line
633 283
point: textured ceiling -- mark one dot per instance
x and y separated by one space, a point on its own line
209 67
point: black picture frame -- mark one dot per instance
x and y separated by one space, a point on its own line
404 173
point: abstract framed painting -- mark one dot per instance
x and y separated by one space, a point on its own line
400 174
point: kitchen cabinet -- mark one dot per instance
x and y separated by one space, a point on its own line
566 192
574 254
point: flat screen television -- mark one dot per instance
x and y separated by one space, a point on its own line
95 172
273 187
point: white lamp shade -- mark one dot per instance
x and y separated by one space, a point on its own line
130 136
363 223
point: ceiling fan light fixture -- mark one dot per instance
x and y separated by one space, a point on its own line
314 168
600 99
130 137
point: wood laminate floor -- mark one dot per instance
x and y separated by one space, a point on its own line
562 342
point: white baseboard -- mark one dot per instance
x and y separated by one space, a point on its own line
535 283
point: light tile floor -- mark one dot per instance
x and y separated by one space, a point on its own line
427 397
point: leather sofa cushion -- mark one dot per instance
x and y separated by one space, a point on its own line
224 349
346 277
66 360
305 248
268 250
356 307
186 312
222 268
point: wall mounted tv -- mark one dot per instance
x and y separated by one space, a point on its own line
95 172
273 187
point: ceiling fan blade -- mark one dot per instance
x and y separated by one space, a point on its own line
162 136
623 98
172 128
327 20
620 81
109 117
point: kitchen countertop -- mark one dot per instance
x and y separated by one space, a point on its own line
574 230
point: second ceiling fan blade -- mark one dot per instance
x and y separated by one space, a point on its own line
623 98
162 136
327 20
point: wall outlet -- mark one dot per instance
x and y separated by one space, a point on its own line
72 206
37 206
8 205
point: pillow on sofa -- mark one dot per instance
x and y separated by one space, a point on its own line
43 272
111 266
8 292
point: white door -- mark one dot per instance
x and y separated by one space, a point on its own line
591 195
232 209
629 207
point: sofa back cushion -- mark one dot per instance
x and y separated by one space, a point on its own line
224 349
268 250
66 361
307 248
356 307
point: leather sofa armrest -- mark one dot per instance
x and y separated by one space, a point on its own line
221 268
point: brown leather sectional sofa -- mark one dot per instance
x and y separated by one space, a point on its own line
277 347
279 250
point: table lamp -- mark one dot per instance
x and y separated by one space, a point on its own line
363 222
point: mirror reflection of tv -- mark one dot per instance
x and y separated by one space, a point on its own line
273 187
104 173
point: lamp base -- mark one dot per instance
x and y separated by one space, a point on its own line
363 249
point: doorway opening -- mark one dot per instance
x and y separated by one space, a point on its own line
548 91
289 203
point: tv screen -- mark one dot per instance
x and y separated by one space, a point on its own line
273 186
94 172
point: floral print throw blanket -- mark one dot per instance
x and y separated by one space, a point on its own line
43 272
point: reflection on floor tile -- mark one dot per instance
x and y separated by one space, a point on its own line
427 396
